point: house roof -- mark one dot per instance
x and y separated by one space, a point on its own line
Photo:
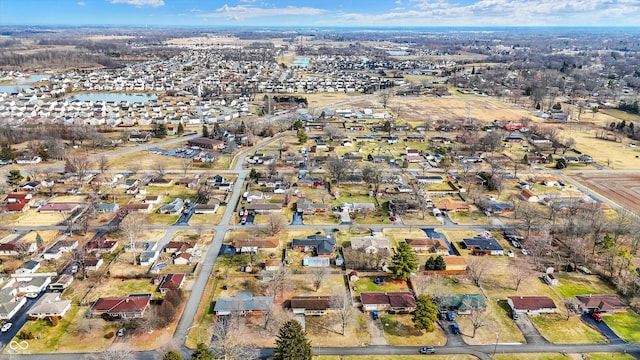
180 246
50 304
122 304
368 241
312 302
59 206
480 243
448 204
454 260
172 281
324 244
243 301
433 243
394 299
461 301
532 302
602 302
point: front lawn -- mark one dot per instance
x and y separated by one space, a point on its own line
366 284
521 356
625 324
572 284
400 331
573 331
607 356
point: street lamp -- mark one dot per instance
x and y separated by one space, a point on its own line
496 345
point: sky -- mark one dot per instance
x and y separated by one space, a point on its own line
323 13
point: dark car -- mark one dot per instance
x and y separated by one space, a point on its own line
451 316
378 281
455 328
427 350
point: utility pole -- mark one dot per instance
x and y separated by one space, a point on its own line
496 346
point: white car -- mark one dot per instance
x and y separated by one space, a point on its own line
32 295
6 327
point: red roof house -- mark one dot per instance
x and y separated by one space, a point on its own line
126 307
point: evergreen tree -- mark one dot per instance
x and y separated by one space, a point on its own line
43 153
404 262
172 355
217 131
6 152
426 314
205 131
292 343
243 128
202 352
180 130
431 264
39 241
387 127
14 178
439 263
302 136
298 124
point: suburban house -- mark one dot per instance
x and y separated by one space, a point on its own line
206 143
483 246
17 202
106 207
125 307
243 303
9 303
252 245
452 205
601 303
312 305
529 196
370 244
436 246
17 248
61 283
254 195
93 263
550 279
321 245
179 247
463 304
35 285
173 208
59 207
169 282
261 207
149 257
48 305
531 304
455 263
210 207
28 267
182 258
136 207
390 301
357 207
101 245
307 206
55 251
160 181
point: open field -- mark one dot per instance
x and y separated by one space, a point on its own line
621 188
572 284
625 324
400 331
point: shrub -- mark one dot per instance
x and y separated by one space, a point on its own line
109 335
25 335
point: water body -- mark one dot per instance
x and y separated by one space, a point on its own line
115 97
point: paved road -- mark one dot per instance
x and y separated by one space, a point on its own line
18 321
531 334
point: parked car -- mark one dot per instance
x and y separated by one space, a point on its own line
514 315
74 268
427 350
596 316
451 316
32 295
375 315
378 280
515 243
121 332
455 328
585 270
6 327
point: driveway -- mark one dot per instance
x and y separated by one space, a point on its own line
297 219
531 334
376 331
604 329
452 339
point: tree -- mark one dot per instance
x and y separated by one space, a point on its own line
78 165
292 343
205 131
202 352
172 355
373 176
341 302
275 223
426 314
386 127
476 267
180 130
14 178
519 271
132 226
39 241
404 262
477 321
161 168
298 125
318 274
229 343
302 136
187 164
103 164
6 152
337 168
384 97
439 263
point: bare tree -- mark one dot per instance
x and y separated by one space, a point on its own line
132 226
529 216
539 246
477 267
103 164
161 168
373 176
318 274
478 320
337 168
385 96
275 223
229 343
187 164
78 165
341 302
519 271
115 352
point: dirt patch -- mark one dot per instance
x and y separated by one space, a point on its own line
621 188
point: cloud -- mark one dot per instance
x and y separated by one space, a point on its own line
140 3
242 12
81 3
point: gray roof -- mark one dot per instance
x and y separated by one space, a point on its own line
243 301
490 244
49 303
324 244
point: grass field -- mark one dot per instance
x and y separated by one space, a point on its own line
366 284
400 331
608 356
396 357
544 356
572 284
625 324
560 331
